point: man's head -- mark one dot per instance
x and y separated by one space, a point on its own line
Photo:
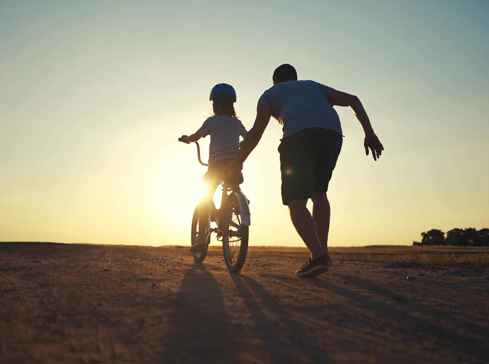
284 72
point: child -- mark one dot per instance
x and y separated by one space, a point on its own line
225 129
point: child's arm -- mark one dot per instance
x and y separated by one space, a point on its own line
202 132
189 138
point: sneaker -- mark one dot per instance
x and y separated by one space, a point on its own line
314 267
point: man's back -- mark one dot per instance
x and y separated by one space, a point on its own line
301 105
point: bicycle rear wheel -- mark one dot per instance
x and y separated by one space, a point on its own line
200 235
234 235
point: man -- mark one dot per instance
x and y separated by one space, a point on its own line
311 143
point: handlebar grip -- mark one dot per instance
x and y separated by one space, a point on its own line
181 139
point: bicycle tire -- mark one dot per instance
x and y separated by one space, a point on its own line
198 236
234 258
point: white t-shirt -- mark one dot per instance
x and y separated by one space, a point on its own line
224 132
301 105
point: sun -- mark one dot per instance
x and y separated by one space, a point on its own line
175 191
176 188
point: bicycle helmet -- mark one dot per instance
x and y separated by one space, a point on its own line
223 92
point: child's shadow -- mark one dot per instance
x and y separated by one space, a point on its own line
199 330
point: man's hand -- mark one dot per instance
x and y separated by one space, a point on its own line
184 139
373 144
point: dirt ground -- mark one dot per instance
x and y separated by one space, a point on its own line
119 304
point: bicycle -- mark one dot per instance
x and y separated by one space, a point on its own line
230 223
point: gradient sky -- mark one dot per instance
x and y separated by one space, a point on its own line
95 93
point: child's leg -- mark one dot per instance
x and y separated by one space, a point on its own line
211 190
207 202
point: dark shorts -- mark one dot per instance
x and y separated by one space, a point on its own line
307 160
227 171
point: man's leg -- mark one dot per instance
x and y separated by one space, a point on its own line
322 215
305 226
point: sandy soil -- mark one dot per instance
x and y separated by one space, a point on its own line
115 304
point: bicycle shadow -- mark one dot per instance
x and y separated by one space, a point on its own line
199 330
296 346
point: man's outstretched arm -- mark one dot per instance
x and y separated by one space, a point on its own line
251 139
371 142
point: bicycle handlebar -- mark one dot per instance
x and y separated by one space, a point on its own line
198 154
198 151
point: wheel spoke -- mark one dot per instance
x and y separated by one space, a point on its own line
235 241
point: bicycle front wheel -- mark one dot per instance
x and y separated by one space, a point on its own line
235 235
200 234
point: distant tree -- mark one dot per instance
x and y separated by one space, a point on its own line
471 236
483 237
455 237
433 237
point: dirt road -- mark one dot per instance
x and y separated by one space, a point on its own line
115 304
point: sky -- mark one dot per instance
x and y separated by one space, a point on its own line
95 94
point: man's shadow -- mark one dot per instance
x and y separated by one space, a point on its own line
285 340
199 330
400 311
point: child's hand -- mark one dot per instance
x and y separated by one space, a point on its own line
184 139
